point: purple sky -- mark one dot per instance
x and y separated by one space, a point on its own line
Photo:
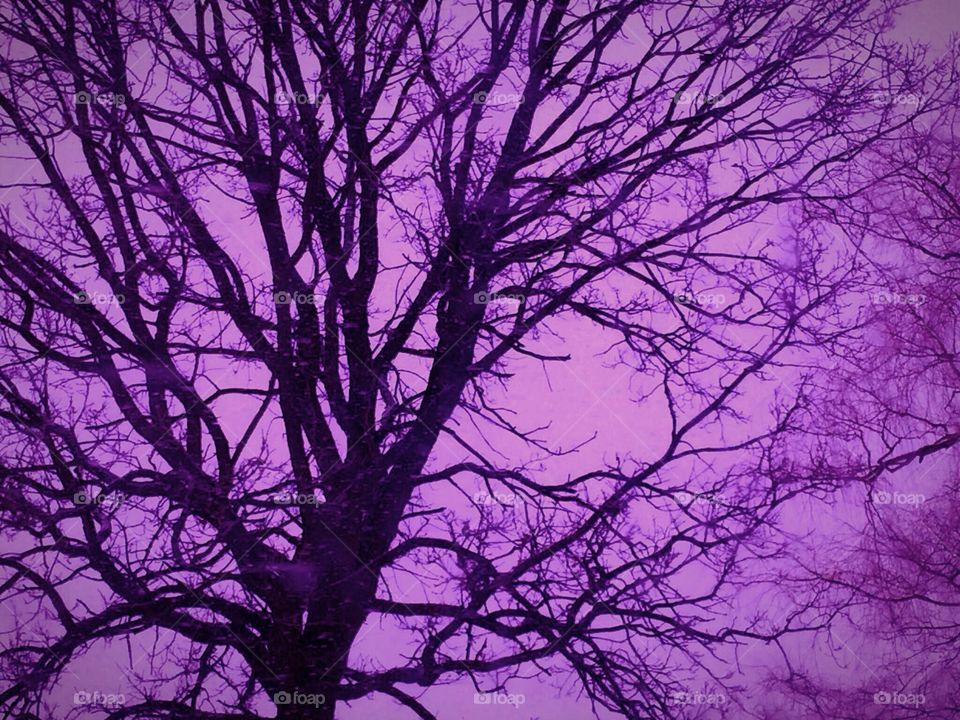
598 403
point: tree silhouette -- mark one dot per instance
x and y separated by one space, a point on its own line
270 273
894 577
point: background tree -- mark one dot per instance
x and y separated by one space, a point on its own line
894 575
267 270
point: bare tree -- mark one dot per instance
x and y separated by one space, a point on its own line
895 579
261 260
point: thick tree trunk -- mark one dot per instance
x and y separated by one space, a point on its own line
317 623
309 675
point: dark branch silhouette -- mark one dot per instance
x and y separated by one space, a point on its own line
269 272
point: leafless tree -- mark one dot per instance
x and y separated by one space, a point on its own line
895 578
259 261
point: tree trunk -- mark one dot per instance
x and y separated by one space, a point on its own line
316 626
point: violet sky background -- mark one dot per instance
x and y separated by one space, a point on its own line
587 397
591 396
